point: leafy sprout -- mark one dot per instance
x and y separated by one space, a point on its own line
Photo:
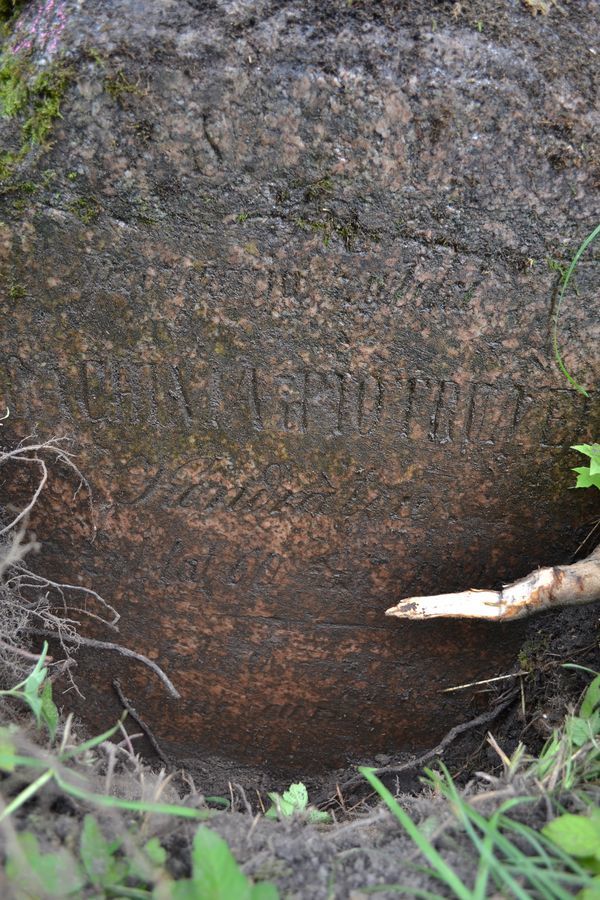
588 476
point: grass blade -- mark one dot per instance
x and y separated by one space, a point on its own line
25 794
107 801
89 744
445 872
567 277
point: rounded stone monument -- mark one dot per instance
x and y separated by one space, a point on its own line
286 273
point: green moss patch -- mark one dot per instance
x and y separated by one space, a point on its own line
9 9
33 98
348 231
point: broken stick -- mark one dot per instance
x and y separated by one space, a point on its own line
546 588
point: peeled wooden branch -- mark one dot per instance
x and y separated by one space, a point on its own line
547 588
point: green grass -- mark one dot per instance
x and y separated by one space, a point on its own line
515 859
514 850
122 866
566 278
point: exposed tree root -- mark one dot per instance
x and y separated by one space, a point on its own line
33 604
409 765
116 648
547 588
125 703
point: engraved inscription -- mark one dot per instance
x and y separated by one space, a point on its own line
244 398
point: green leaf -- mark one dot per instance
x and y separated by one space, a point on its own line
32 697
585 479
592 892
144 865
97 856
294 800
48 874
280 806
577 835
49 711
7 751
38 674
593 451
264 891
155 852
38 668
318 817
185 889
591 698
580 730
216 874
297 796
32 684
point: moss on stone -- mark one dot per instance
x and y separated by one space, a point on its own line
16 291
346 230
117 85
20 191
318 190
33 97
13 85
87 209
9 10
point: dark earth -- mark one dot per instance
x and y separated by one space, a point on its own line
365 848
286 272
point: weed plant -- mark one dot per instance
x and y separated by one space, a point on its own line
532 831
515 859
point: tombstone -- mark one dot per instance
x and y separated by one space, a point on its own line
286 275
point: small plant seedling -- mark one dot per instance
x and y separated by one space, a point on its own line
35 874
62 874
295 801
215 875
103 870
36 691
572 752
521 861
110 872
588 476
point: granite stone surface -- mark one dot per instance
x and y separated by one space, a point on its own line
286 274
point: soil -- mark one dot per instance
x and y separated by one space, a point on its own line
365 848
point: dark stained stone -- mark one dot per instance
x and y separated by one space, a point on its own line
286 276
